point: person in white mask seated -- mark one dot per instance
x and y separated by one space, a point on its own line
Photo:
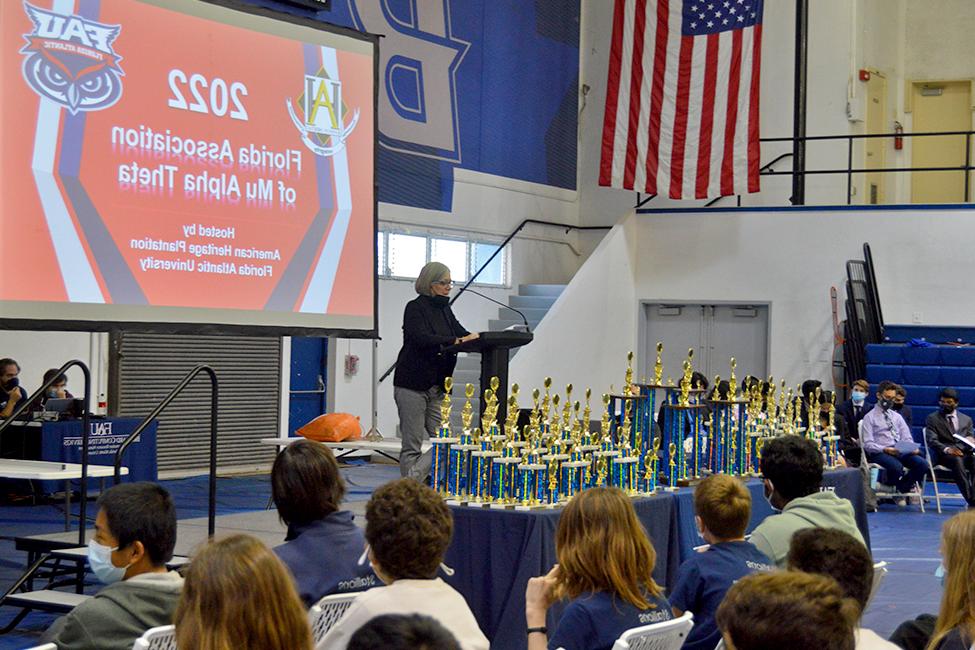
135 533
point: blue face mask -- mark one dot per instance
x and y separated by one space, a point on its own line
100 561
940 573
859 396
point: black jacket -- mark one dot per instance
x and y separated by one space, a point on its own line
428 326
939 434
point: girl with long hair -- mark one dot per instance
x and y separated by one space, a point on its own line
605 566
239 596
955 629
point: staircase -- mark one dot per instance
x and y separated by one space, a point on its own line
534 301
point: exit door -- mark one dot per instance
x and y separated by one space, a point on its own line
715 333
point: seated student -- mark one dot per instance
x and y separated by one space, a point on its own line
839 423
238 595
135 532
307 489
11 394
955 629
605 567
900 397
408 528
792 468
835 554
946 450
853 410
403 632
787 610
723 507
885 440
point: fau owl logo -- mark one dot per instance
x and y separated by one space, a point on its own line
69 59
418 62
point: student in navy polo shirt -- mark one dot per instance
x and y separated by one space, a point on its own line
323 545
605 566
723 506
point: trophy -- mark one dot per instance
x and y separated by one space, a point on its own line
628 388
459 465
658 366
440 454
733 381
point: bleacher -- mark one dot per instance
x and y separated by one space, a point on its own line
923 371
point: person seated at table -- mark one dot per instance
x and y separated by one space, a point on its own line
408 530
11 394
57 390
698 382
792 470
835 554
307 489
900 399
135 533
723 507
787 610
853 410
887 442
403 632
605 570
239 595
948 451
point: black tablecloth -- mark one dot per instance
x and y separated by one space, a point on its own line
495 552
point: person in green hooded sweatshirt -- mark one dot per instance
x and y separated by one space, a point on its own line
135 533
792 469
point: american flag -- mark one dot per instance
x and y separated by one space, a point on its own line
682 98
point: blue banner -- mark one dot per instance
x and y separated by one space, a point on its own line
485 85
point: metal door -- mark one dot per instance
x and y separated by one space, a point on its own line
308 372
739 331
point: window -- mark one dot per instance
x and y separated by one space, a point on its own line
402 256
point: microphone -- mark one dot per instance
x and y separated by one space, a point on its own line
497 302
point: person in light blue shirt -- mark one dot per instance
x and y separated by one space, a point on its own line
723 507
887 442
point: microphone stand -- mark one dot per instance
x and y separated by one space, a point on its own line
498 302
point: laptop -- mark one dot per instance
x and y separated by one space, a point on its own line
65 406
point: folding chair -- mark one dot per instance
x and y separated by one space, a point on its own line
879 573
326 612
669 635
157 638
918 494
932 469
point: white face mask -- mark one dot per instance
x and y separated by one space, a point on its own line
100 561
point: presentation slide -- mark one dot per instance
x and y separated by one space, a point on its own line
179 163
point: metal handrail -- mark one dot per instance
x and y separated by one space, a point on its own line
85 433
190 376
507 240
766 167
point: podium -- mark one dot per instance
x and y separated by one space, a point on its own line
494 348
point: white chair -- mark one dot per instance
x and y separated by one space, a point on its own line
157 638
932 468
669 635
918 494
879 573
326 613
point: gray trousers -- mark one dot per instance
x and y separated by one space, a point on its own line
419 419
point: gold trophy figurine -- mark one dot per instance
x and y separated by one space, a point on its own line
672 453
733 381
716 394
685 385
445 404
467 413
658 366
587 412
628 388
546 400
567 409
604 423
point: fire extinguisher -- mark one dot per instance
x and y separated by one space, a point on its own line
898 136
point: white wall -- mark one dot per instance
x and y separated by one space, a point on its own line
38 351
789 259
